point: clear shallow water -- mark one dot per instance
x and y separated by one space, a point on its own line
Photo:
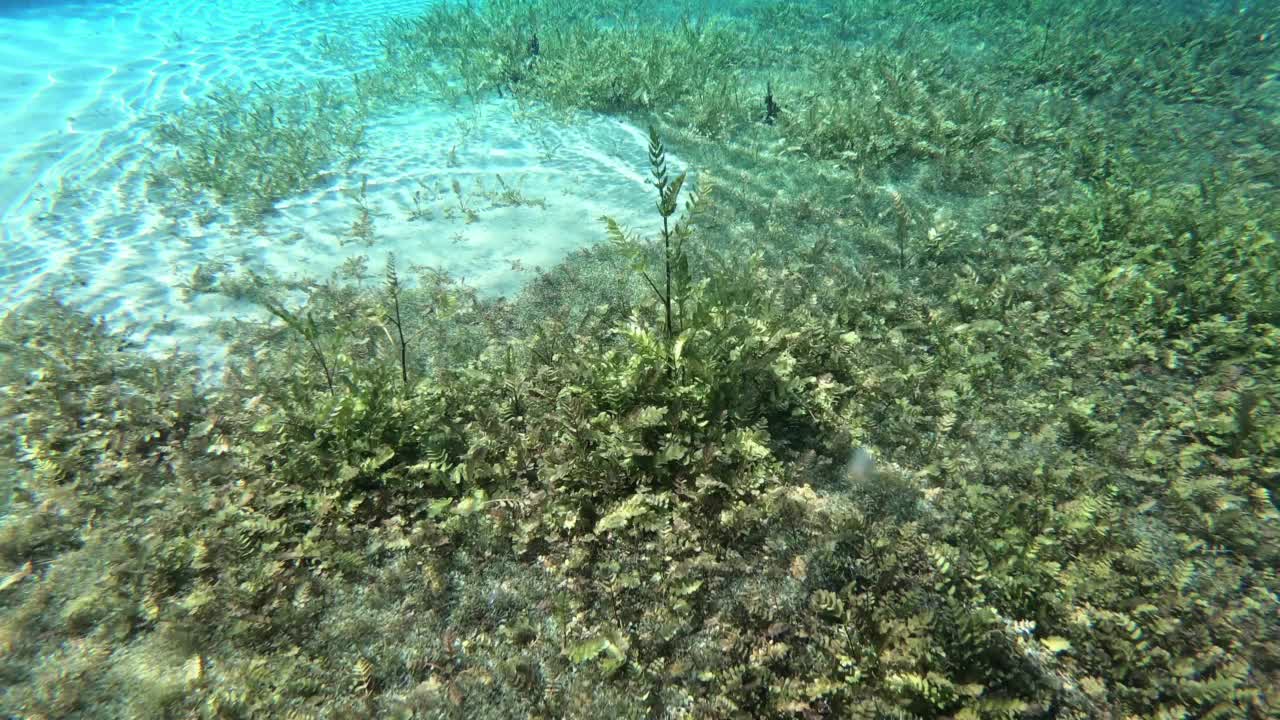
1017 410
81 87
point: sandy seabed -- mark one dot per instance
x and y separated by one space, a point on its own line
83 85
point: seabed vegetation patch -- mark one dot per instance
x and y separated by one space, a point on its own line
945 386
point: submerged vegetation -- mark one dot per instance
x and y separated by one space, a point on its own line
243 150
939 401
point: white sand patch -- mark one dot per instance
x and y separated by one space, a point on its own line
80 86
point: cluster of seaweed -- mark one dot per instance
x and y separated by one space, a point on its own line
935 406
242 150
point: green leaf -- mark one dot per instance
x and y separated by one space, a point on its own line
987 326
748 442
201 429
625 512
671 451
689 587
380 458
671 196
646 417
615 231
682 269
677 349
470 504
201 596
1055 644
609 647
437 507
16 576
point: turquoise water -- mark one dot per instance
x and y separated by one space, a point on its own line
86 86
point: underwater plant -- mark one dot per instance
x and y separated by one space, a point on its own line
243 149
999 446
675 261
